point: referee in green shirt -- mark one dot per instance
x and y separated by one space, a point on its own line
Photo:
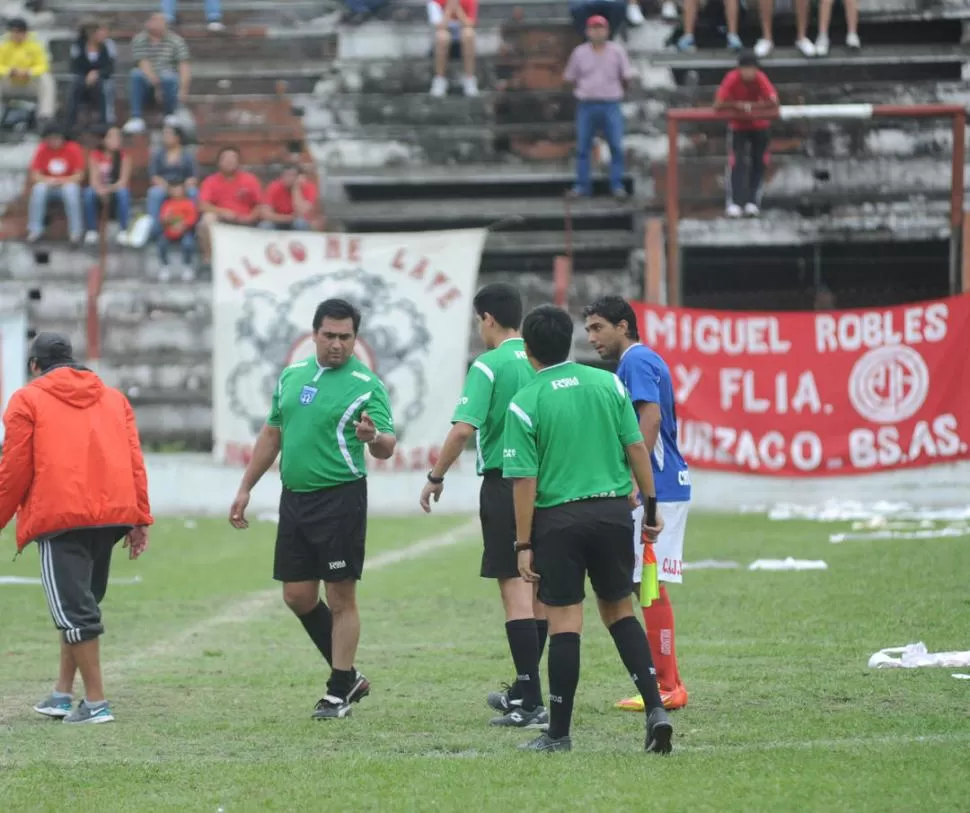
492 380
326 409
571 438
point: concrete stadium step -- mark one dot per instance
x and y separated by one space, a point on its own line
134 13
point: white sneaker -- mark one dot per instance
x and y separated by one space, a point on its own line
134 126
669 11
123 239
763 48
470 85
752 210
852 41
188 273
139 233
164 273
216 27
439 87
733 210
634 15
805 46
91 238
822 45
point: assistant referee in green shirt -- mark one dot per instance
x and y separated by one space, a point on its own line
571 438
325 410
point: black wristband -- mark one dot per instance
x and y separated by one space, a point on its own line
521 546
435 481
650 512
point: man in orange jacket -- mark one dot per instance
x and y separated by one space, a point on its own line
73 473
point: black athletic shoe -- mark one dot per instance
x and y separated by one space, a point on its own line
546 743
659 733
503 701
360 688
538 718
331 708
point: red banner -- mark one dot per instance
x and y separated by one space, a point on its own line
811 394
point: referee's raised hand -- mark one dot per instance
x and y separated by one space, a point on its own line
365 429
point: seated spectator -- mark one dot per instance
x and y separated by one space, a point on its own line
109 173
161 74
852 41
766 9
289 201
56 173
360 11
229 196
25 70
599 71
172 164
93 57
731 18
616 13
211 8
748 90
454 22
178 216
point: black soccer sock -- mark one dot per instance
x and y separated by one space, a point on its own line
634 651
563 680
525 655
318 624
340 683
542 632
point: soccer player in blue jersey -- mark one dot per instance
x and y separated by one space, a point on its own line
612 329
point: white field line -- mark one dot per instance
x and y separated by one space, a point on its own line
244 610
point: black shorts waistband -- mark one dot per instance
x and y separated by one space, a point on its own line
328 490
490 474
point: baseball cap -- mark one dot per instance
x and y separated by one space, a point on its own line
51 348
597 19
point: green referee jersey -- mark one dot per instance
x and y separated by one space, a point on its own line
569 429
489 386
315 408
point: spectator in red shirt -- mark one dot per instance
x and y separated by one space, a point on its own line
177 218
746 89
229 196
56 172
454 24
109 173
289 201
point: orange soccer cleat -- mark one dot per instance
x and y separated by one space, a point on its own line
674 699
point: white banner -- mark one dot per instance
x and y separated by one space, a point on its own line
13 356
414 291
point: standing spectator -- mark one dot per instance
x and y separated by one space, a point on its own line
600 72
687 44
172 164
851 23
766 9
289 201
178 216
109 173
25 69
616 13
56 172
73 472
747 90
230 195
212 9
93 57
162 72
454 21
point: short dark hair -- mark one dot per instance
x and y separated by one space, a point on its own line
17 24
227 148
748 59
548 333
336 309
53 128
503 301
614 309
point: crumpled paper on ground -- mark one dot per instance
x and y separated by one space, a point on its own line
788 564
916 655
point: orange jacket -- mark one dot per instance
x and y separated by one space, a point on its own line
71 457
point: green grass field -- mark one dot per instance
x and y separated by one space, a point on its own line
213 684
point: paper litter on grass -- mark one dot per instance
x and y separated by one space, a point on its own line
848 510
788 564
711 564
32 580
913 656
946 532
960 676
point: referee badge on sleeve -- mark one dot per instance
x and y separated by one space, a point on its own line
307 394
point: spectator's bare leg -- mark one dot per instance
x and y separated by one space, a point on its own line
766 11
690 16
852 23
731 16
802 42
87 655
468 49
442 44
68 668
824 17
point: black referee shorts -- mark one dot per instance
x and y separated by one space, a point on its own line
321 534
579 538
496 512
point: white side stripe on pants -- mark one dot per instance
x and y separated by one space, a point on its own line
71 633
